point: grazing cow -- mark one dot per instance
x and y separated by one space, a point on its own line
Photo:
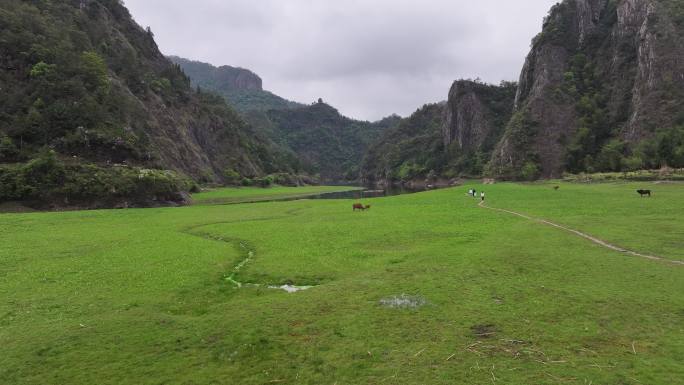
359 206
556 188
644 193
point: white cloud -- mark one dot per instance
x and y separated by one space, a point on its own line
368 58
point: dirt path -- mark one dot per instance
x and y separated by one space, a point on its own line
585 236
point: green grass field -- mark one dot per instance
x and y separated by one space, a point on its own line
141 296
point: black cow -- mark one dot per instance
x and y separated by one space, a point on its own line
644 193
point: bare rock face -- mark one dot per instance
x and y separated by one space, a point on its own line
475 116
224 78
588 17
465 119
601 69
660 65
238 78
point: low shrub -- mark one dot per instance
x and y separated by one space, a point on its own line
46 179
266 181
636 176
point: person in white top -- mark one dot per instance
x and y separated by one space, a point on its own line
482 195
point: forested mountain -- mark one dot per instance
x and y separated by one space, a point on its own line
601 90
241 87
411 149
325 142
447 140
91 111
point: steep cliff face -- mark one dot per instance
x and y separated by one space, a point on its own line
82 80
474 118
223 78
601 90
240 87
600 72
658 85
449 139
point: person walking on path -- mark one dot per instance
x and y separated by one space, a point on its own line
482 195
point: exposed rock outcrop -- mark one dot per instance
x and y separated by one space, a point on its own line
223 77
475 114
602 86
600 70
240 87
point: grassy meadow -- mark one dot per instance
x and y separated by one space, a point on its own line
142 296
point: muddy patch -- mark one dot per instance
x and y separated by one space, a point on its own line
403 302
484 330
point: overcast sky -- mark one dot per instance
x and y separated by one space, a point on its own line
368 58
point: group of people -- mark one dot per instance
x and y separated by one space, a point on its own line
472 192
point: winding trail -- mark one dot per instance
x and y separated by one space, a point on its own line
585 236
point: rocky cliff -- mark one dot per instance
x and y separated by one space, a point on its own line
475 113
449 139
474 118
601 73
601 90
219 78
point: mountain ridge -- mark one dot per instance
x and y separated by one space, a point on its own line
242 88
600 90
90 100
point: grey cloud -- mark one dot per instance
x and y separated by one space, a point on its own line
369 58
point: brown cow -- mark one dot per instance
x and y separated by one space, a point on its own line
358 206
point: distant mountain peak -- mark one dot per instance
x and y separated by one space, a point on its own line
224 77
242 88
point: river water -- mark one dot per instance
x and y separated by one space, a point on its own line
368 193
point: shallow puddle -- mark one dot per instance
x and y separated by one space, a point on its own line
291 288
403 302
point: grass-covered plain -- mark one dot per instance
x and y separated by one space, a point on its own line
140 296
257 194
611 211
